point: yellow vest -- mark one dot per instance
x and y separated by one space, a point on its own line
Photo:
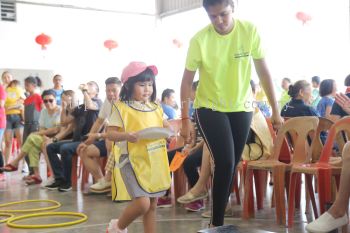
119 191
148 158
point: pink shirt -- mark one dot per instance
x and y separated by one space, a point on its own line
2 109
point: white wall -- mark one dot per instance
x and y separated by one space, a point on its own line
77 50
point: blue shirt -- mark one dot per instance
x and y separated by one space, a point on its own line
58 95
323 104
169 111
296 107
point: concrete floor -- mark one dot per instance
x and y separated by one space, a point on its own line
100 210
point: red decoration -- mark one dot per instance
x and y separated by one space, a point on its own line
177 43
302 16
110 44
43 40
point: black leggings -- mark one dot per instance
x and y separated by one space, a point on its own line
225 135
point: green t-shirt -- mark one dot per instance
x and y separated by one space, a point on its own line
224 64
285 98
315 97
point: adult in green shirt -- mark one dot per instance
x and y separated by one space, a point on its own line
223 53
285 98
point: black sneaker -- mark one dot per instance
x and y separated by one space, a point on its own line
55 185
65 187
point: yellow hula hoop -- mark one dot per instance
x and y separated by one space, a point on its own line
45 214
57 205
9 216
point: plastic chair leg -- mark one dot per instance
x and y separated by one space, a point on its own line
310 190
291 199
74 178
324 187
279 183
248 203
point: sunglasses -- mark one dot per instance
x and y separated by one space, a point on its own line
49 100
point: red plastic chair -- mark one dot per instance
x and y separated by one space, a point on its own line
322 169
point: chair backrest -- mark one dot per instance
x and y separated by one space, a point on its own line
300 128
324 125
341 125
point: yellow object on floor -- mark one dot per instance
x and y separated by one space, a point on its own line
11 223
9 216
57 205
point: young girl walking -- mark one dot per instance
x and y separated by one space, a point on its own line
144 163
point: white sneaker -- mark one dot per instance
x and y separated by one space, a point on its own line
326 223
113 227
49 181
102 186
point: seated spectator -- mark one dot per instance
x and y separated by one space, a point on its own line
340 108
83 117
49 124
328 90
300 93
315 81
96 145
169 103
57 87
347 84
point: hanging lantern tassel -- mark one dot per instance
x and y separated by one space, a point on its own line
43 40
110 44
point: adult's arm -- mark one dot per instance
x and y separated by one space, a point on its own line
266 81
186 86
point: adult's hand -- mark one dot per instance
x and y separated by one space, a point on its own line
80 148
343 101
276 121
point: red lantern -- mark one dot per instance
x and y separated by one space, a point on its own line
43 40
177 43
110 44
302 16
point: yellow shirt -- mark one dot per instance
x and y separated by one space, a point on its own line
224 64
14 94
285 98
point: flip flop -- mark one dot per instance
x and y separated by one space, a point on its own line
34 180
9 168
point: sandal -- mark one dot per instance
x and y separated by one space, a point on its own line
33 180
189 197
9 168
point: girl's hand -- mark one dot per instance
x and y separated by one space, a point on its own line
185 130
132 137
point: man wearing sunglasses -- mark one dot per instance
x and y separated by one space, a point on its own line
49 123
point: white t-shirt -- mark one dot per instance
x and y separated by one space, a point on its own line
106 110
49 121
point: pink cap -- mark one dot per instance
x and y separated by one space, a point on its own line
134 68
